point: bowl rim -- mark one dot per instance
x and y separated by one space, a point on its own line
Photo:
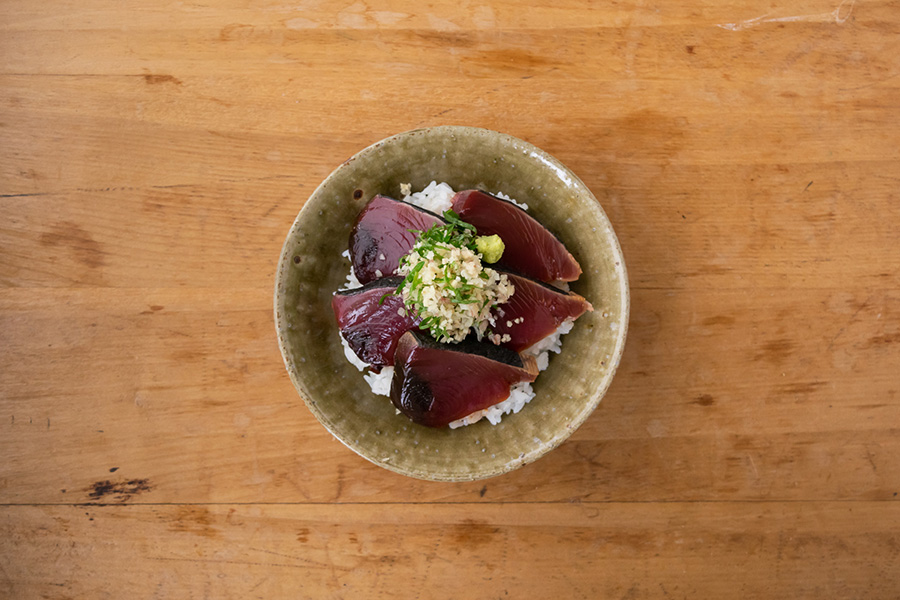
593 400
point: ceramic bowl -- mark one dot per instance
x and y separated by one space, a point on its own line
311 268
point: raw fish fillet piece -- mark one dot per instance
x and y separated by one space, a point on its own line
370 325
530 248
435 384
541 307
381 236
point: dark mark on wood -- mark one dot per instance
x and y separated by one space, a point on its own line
302 535
775 351
483 491
472 533
195 519
881 340
75 242
690 49
704 400
871 459
172 186
718 320
114 469
154 79
820 218
22 195
235 31
807 186
120 491
808 387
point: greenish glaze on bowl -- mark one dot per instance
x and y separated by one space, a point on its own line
311 269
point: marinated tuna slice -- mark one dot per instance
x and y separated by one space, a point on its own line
381 236
535 311
372 320
435 384
530 248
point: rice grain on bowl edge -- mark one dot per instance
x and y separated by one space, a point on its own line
437 197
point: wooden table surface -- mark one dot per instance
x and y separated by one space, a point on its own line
154 155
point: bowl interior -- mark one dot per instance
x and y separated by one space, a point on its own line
311 268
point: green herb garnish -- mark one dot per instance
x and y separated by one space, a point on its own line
445 283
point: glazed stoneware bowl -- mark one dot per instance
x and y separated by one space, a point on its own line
311 268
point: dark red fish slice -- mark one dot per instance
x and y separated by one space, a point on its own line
381 236
530 248
435 384
370 325
541 307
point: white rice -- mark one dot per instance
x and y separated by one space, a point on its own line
521 393
551 343
352 282
380 382
521 205
437 197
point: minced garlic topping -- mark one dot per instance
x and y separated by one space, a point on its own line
448 287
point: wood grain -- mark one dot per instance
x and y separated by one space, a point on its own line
153 156
461 550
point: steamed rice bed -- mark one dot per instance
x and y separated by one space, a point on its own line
437 197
